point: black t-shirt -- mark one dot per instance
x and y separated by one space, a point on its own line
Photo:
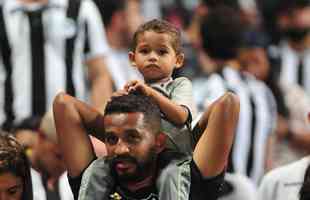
200 189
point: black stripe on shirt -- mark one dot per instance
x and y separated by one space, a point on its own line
8 88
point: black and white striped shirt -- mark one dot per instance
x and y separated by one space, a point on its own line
52 77
293 67
257 117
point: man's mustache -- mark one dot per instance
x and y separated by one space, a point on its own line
122 158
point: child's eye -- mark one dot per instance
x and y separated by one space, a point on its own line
143 51
162 52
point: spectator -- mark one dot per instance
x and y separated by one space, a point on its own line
284 182
293 103
131 128
290 58
45 46
287 182
222 39
156 52
15 180
48 170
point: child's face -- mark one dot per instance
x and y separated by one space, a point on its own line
155 57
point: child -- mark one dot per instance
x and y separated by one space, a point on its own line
156 52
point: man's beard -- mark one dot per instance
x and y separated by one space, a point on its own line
143 168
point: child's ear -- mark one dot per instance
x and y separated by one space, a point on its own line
160 142
180 60
131 56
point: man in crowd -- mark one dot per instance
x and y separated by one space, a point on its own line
136 148
44 47
222 40
48 170
290 58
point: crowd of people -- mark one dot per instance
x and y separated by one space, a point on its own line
147 99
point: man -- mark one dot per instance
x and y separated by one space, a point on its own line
48 174
45 45
222 39
290 58
289 181
136 147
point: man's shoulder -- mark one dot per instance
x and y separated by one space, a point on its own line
293 172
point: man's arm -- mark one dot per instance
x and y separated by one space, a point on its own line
101 82
73 119
213 148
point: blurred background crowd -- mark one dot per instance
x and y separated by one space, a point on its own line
264 43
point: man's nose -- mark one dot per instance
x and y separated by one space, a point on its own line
121 148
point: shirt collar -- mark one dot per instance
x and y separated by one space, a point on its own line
161 84
14 6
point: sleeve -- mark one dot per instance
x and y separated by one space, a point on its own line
268 187
204 188
95 36
273 110
182 94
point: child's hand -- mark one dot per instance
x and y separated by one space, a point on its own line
119 93
137 85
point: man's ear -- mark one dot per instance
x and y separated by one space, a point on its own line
131 56
160 142
180 60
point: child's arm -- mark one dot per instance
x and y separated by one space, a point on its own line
176 114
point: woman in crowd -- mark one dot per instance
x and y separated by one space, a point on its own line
15 181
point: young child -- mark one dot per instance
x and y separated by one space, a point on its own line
156 52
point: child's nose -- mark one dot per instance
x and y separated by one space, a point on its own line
153 56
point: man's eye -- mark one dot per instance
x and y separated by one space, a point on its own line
133 139
111 139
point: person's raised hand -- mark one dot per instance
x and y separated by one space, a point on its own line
138 86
